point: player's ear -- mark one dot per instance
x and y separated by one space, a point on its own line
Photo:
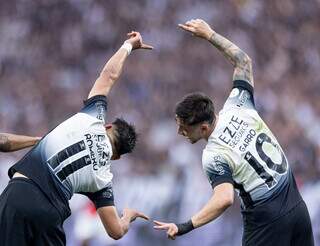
203 127
108 126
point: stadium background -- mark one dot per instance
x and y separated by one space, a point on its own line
51 51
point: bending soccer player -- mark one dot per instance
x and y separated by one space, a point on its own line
241 153
72 158
12 142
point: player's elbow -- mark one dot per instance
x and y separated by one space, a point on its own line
224 194
109 75
116 235
242 59
227 200
246 60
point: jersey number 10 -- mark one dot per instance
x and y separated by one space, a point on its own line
261 171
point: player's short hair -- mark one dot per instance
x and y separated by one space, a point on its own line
126 136
195 108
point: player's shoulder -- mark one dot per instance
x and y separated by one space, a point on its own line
78 121
239 99
212 155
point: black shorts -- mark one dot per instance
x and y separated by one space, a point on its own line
291 229
27 217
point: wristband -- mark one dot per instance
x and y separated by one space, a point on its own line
184 228
127 47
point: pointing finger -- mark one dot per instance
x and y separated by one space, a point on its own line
186 28
146 47
163 227
158 222
143 216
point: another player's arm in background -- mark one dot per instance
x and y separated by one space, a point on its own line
240 60
115 226
113 68
13 142
222 198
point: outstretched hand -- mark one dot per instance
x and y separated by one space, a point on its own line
198 28
135 39
171 228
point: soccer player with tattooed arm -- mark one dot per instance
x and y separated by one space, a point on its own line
241 154
12 142
75 157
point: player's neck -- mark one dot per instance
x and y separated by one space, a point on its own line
211 129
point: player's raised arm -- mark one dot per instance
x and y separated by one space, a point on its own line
13 142
113 68
240 60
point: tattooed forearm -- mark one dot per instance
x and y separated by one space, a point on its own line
12 142
240 60
4 143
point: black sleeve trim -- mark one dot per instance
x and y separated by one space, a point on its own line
95 98
101 198
243 84
11 172
221 181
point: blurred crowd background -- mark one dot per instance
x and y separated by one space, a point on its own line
51 52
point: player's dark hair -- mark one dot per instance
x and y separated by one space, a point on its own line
195 108
126 136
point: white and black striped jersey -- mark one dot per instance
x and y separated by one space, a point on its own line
74 157
243 151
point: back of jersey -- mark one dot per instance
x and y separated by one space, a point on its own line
73 158
243 151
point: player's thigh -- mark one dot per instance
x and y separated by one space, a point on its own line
14 229
28 217
45 219
277 233
302 231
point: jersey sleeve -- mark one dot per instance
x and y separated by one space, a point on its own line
217 170
96 106
101 198
241 96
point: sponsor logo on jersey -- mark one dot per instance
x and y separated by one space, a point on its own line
218 165
248 139
244 96
101 111
233 132
219 168
108 193
98 150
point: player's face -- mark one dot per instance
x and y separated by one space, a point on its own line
191 133
110 132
